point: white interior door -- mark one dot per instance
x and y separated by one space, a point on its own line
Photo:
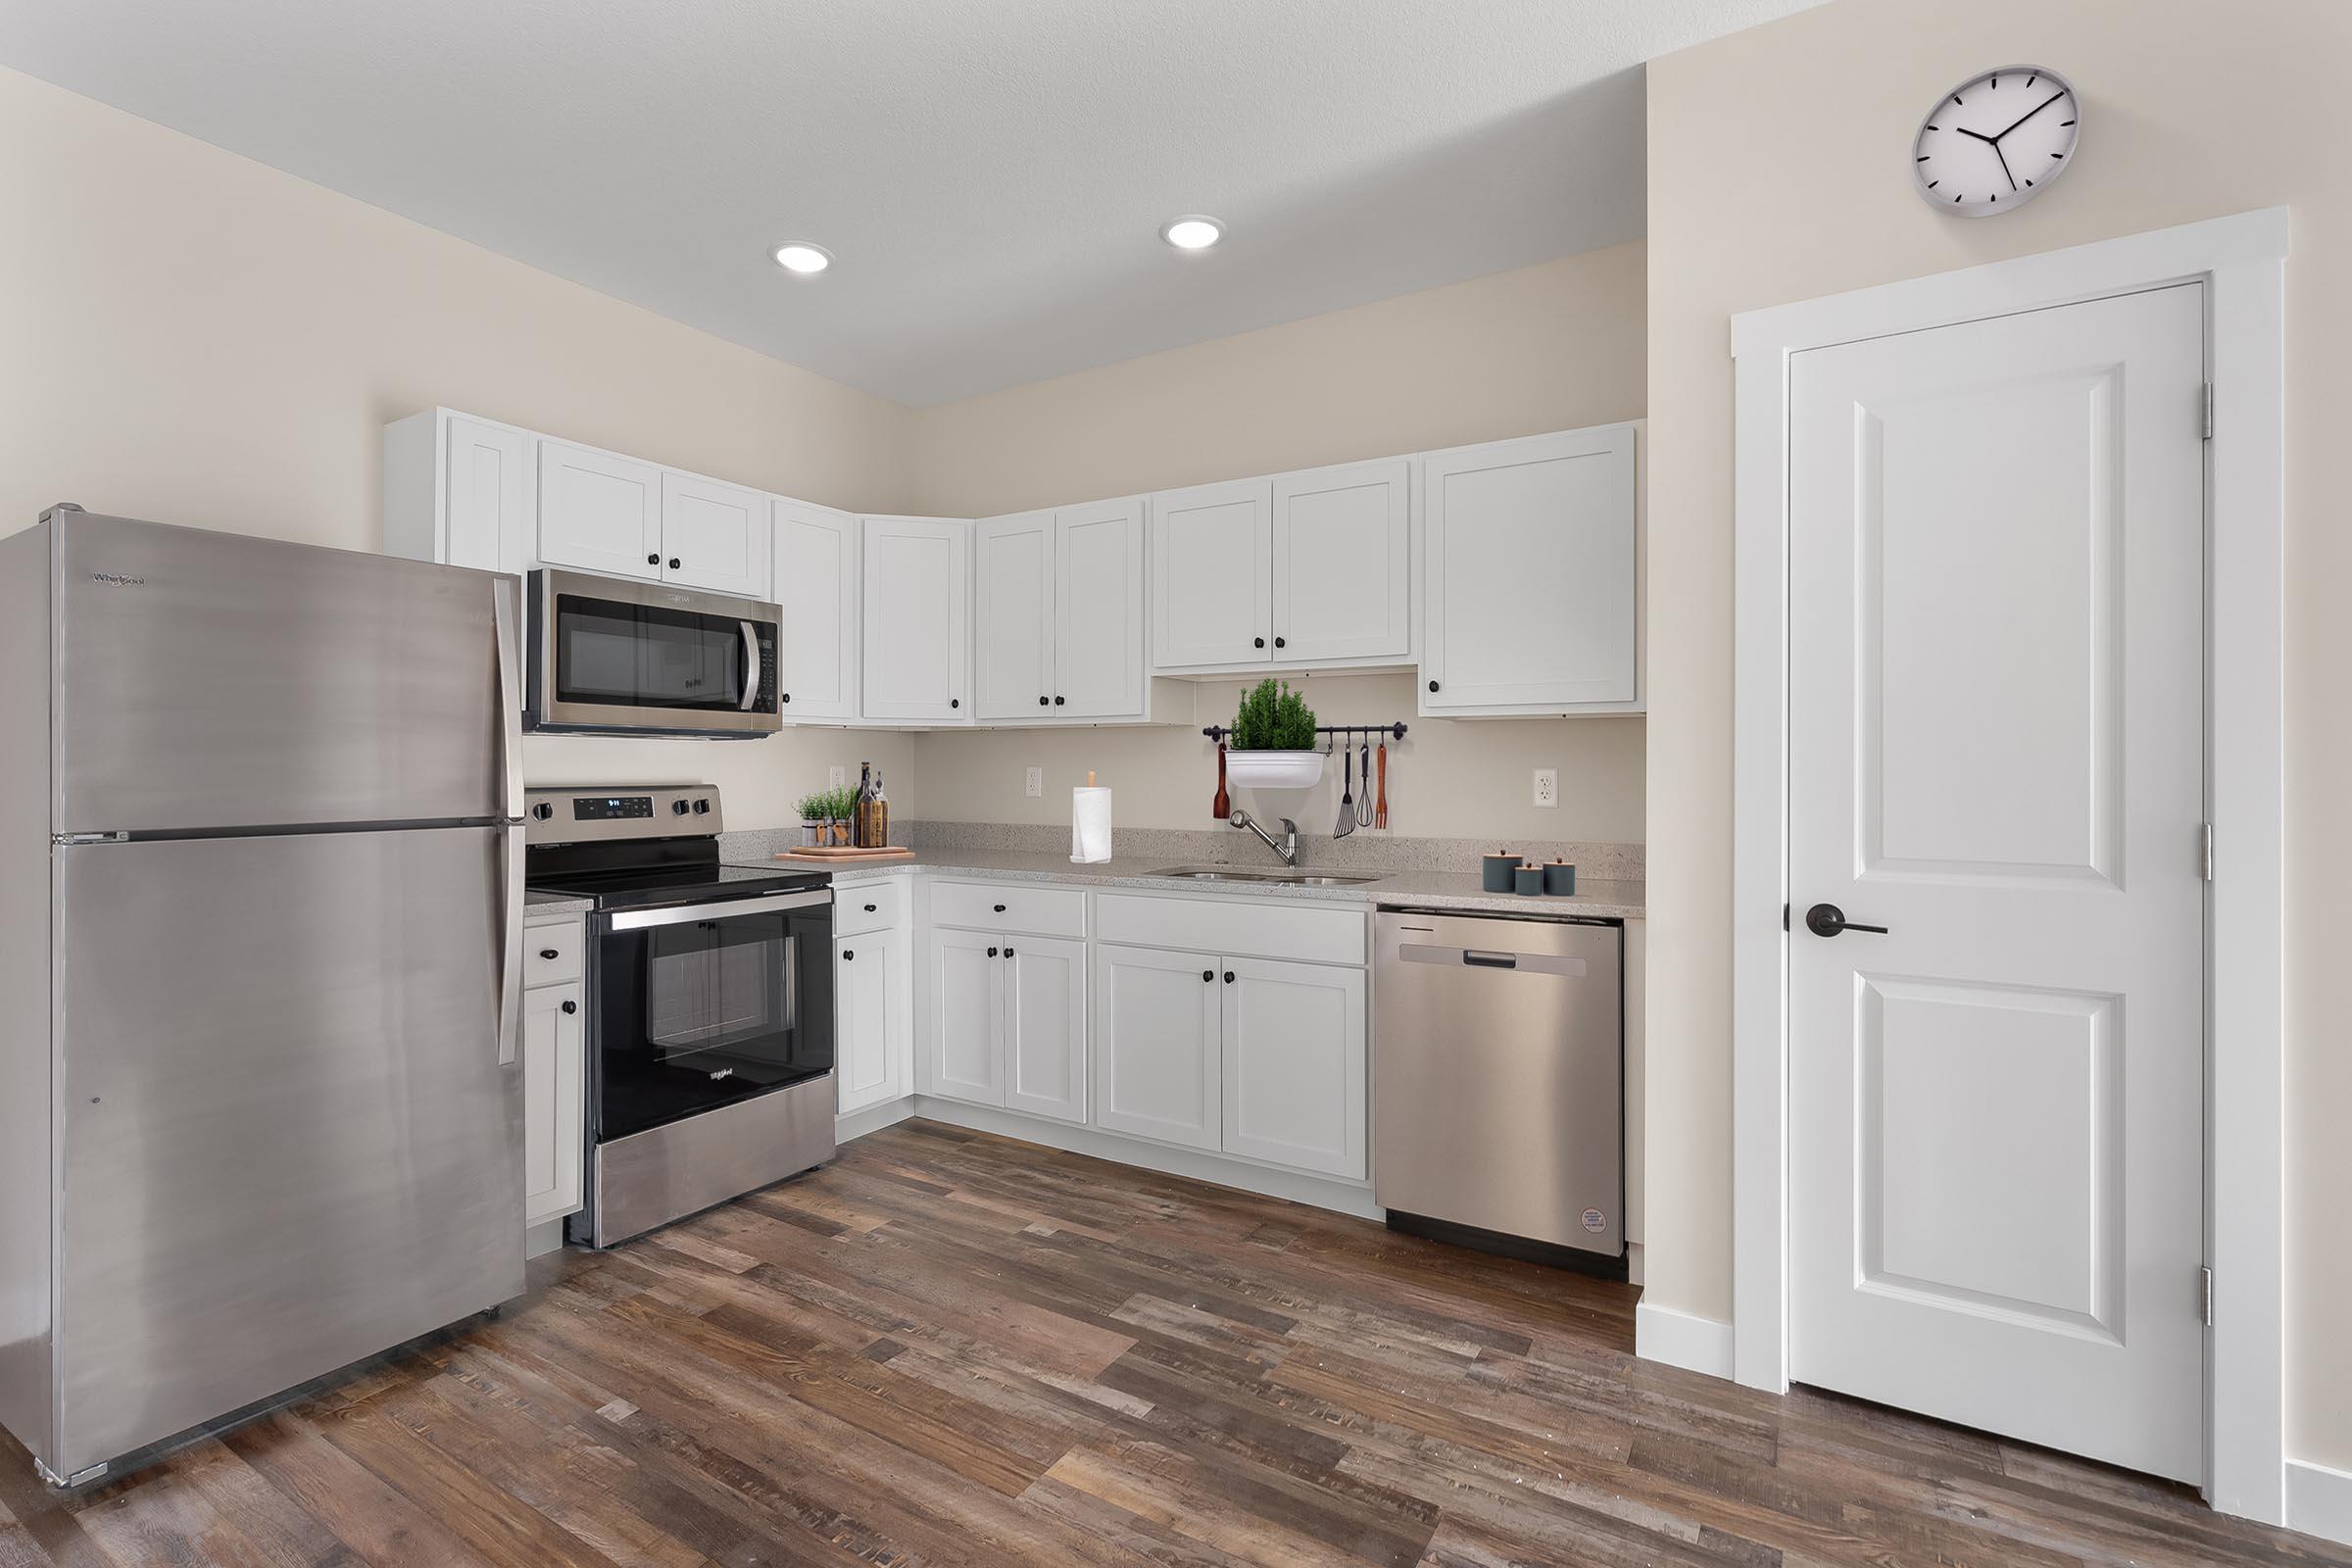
1997 743
1341 547
718 536
816 583
599 512
1012 616
1099 595
1212 580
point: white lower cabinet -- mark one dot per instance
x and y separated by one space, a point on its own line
554 1101
963 1046
1158 1019
1044 1027
1293 1065
873 998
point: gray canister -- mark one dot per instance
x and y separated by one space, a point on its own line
1559 878
1494 871
1530 878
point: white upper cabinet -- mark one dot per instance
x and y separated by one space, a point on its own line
1012 626
716 536
599 512
1099 625
817 584
914 643
459 490
1212 585
1343 562
1057 606
1530 567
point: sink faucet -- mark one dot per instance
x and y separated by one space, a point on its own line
1288 849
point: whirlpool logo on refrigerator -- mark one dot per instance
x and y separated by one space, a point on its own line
118 579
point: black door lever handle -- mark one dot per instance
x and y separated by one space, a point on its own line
1826 920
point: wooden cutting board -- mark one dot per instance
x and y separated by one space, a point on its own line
838 852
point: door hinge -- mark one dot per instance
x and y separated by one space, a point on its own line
2205 1296
2205 851
2209 411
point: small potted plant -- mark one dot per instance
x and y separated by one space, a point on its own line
840 805
816 813
1272 742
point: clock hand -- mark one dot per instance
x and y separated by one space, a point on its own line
2004 157
2028 115
1980 135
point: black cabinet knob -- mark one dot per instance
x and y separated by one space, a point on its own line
954 701
788 697
999 907
571 1006
869 908
1258 642
1828 920
1056 701
992 953
653 560
1208 975
1009 953
1281 642
849 952
1041 702
1229 977
1433 685
673 562
550 955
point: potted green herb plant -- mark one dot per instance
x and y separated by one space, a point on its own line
840 805
816 811
1272 742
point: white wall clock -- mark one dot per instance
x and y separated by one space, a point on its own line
1997 141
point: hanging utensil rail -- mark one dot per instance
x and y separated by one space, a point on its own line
1395 731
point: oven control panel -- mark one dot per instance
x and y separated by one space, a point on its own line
575 814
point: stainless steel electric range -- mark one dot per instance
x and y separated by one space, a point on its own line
710 1003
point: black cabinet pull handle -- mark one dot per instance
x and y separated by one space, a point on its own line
871 908
1208 975
954 701
1056 701
1260 642
550 953
571 1006
1229 977
1041 702
673 562
849 952
992 953
1000 909
1433 685
1009 953
1826 920
653 560
1281 642
788 697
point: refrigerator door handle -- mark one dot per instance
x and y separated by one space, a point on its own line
750 665
510 963
506 615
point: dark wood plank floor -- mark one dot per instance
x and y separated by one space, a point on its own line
950 1348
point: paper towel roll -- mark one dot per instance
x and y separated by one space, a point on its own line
1090 825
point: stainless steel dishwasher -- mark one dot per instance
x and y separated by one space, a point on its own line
1498 1083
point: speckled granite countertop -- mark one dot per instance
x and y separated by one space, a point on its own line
1428 890
546 904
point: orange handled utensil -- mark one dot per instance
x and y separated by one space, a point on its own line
1379 812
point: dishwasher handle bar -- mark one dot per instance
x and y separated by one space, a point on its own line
1562 964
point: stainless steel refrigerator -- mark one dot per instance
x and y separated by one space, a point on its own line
259 970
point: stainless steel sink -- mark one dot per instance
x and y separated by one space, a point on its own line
1286 876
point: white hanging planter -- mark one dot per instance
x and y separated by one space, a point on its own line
1273 771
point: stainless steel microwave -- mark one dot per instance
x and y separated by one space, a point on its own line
610 656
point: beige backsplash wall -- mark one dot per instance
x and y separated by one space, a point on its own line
1552 347
197 339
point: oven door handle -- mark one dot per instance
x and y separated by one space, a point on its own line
750 665
724 908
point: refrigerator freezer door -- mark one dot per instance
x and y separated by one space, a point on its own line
289 1143
208 680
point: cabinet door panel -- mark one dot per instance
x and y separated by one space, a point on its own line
1294 1070
817 581
1342 561
1211 576
718 536
1044 1027
554 1102
1557 513
1013 608
1099 568
873 997
964 1046
599 513
913 649
1157 1056
488 496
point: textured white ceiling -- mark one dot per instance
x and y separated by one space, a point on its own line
989 174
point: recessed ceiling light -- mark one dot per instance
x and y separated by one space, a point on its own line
1192 232
803 259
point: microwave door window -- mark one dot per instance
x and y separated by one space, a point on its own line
646 655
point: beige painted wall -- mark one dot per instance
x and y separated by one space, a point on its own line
1778 172
1544 348
196 338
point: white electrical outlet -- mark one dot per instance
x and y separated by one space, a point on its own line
1037 782
836 777
1547 786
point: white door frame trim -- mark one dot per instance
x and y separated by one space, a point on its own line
2241 261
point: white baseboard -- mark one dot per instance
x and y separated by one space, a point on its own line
1678 1339
872 1119
1637 1268
2319 1500
1318 1192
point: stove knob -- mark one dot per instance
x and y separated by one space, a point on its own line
680 807
542 811
702 808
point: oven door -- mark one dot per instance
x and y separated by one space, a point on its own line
609 655
706 1005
